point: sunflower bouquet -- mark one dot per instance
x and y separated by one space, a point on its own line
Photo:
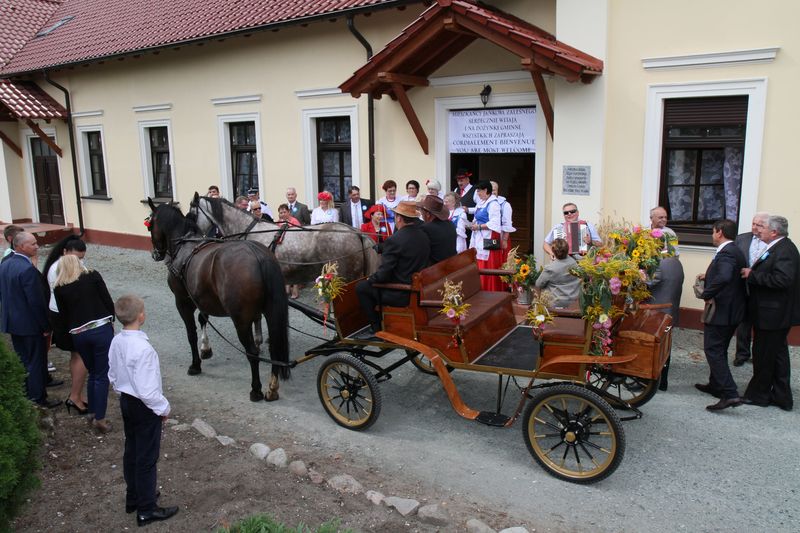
525 269
329 285
645 246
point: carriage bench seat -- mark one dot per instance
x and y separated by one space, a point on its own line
489 317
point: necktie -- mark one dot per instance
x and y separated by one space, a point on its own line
756 250
356 221
461 192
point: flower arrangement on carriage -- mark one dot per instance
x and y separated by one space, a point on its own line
614 278
538 314
454 307
329 285
526 272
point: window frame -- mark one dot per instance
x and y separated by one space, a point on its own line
337 148
84 158
756 91
147 158
310 156
225 154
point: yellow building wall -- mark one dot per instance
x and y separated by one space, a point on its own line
274 65
648 29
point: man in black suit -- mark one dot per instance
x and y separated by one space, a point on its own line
752 247
24 314
352 212
773 283
724 289
297 209
404 253
440 231
466 192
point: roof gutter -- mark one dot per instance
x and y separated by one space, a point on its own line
71 149
370 106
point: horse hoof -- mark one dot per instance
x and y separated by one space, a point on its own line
194 370
271 397
206 354
256 396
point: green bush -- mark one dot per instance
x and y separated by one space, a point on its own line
263 523
19 436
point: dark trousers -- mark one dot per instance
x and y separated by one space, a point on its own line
371 298
142 446
771 369
32 351
744 335
715 343
93 347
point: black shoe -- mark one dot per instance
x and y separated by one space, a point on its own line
708 389
725 403
748 401
54 382
131 507
72 405
48 404
740 361
156 515
781 406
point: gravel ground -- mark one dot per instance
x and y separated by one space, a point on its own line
684 469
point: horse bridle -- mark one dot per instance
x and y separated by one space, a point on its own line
214 222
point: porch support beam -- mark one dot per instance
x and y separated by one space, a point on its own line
44 137
544 98
11 144
400 92
405 79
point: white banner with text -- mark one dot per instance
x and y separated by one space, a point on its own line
492 131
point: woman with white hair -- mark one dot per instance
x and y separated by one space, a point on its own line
434 188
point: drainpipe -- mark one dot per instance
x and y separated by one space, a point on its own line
71 149
370 107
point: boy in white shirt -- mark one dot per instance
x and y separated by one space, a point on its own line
135 374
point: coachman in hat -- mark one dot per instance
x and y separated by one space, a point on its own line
438 228
404 253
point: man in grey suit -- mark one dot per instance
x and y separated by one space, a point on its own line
752 247
297 209
352 211
667 284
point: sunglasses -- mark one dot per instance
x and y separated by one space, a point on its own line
570 212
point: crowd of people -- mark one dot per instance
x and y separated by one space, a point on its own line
68 304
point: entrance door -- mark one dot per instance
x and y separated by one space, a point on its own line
48 184
514 174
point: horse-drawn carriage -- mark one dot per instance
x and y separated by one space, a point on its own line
570 422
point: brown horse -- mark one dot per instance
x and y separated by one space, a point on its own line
238 279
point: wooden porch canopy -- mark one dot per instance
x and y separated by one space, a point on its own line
445 29
26 101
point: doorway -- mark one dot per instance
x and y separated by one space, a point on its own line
47 183
514 173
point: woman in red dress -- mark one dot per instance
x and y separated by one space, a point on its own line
486 225
377 229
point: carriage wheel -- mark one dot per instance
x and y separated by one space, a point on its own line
349 392
424 365
573 433
628 389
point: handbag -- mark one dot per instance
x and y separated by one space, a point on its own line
491 244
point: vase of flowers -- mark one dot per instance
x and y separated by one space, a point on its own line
525 273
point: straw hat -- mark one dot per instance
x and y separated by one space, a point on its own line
407 209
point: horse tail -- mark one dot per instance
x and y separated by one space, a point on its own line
371 258
276 309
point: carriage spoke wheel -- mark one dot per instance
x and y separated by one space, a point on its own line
573 433
424 365
628 389
349 392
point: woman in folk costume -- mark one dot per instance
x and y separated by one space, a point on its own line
390 201
377 228
326 212
486 225
459 219
506 212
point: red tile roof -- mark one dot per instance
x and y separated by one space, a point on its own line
107 28
23 99
19 21
447 27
